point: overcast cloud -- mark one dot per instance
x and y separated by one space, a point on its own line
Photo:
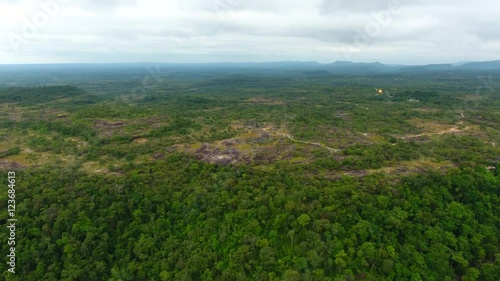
389 31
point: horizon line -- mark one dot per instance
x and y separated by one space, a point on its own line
243 62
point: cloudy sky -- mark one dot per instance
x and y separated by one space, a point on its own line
389 31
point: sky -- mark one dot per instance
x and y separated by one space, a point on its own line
387 31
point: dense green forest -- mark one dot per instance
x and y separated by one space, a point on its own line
223 176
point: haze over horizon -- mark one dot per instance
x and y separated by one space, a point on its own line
193 31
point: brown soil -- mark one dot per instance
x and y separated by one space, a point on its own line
10 166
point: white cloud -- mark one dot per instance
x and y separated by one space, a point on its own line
420 31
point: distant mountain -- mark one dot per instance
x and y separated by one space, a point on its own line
486 65
55 73
460 63
360 67
428 68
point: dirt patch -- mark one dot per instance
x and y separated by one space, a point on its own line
140 140
153 121
220 156
423 139
261 100
344 116
80 143
158 156
433 129
231 142
11 165
427 110
361 173
108 128
263 144
108 125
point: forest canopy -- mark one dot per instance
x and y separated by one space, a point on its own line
245 177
